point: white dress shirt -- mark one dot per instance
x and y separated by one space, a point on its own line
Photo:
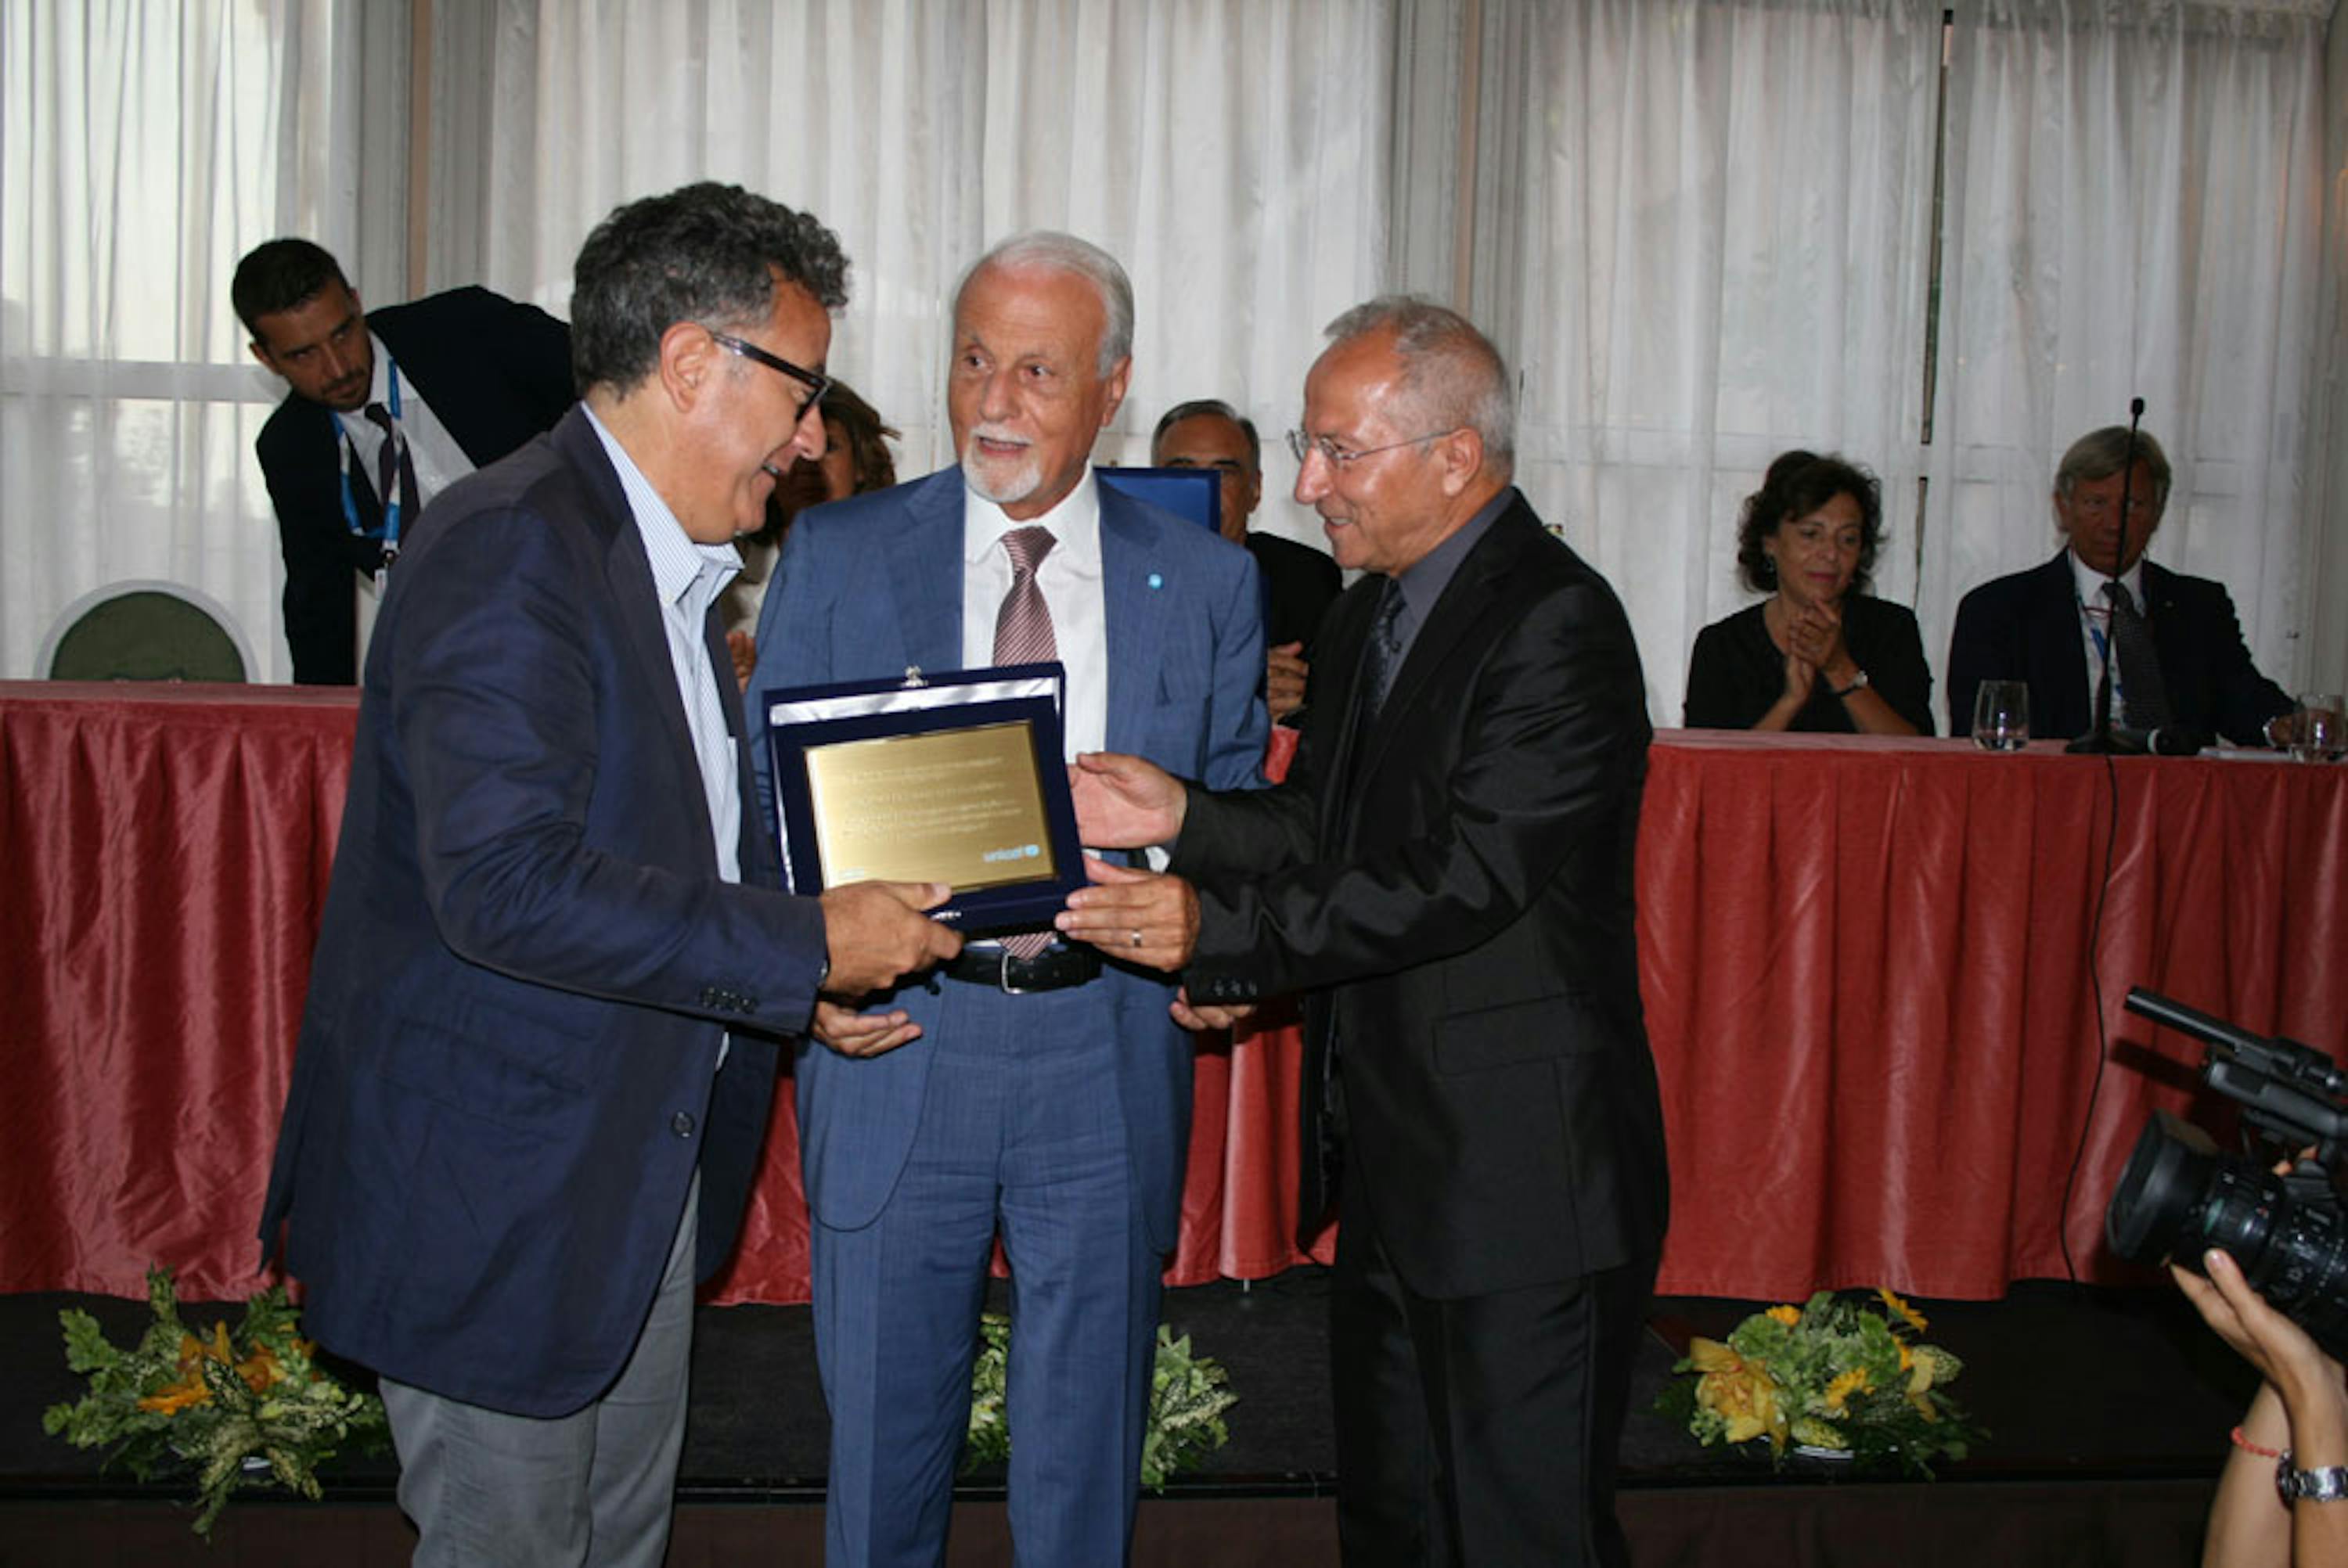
1070 581
439 462
2087 586
688 577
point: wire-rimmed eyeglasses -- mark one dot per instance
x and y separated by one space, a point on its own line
1304 445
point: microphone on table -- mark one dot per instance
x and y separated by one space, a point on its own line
2167 741
2103 739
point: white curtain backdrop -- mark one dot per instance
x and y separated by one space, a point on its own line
1231 153
2135 208
1701 228
146 145
1703 236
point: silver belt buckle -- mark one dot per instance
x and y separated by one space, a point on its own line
1003 975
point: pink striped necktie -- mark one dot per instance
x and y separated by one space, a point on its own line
1023 635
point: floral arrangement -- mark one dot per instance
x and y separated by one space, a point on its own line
246 1408
1187 1396
1830 1377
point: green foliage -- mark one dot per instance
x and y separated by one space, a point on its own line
206 1404
1188 1396
1831 1376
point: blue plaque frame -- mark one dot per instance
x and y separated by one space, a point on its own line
924 705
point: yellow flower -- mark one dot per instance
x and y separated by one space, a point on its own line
171 1399
1907 1357
1914 1318
1739 1391
261 1368
1845 1385
191 1389
1791 1316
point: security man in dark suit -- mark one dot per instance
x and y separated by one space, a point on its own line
383 412
1446 873
2175 648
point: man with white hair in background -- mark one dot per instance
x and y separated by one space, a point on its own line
1037 1092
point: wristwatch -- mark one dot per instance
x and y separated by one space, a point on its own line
1858 683
2329 1484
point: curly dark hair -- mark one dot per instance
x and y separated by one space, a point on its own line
704 253
1797 484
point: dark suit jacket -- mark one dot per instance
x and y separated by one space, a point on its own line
1737 673
1452 886
495 372
1299 585
2025 628
869 586
509 1062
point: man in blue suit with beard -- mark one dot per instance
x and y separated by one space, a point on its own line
1047 1096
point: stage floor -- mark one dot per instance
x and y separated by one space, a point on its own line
2107 1412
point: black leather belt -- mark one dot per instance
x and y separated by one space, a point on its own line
1053 969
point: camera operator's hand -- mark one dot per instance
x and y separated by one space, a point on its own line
2314 1387
2302 1409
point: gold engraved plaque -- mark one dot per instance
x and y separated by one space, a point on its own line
964 807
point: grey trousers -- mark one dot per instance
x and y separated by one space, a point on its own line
590 1489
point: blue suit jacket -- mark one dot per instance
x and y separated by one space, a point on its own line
508 1060
869 586
2025 628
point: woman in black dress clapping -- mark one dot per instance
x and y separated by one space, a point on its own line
1820 652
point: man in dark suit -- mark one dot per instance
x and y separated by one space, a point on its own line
1445 873
539 1045
1049 1100
1299 581
2053 626
449 383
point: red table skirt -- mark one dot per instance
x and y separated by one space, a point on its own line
1867 968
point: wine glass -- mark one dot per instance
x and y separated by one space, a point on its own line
2316 734
2001 715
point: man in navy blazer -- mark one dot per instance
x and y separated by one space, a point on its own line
1049 1097
2037 626
468 376
540 1045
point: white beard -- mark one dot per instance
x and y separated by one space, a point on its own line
1003 481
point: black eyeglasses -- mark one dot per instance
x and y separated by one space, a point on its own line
815 381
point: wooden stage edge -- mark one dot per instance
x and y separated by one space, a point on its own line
2153 1523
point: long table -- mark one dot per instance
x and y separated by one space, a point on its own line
1876 974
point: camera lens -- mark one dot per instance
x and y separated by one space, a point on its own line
2179 1196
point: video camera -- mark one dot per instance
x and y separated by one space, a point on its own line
2179 1195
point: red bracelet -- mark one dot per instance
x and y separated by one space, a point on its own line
2249 1447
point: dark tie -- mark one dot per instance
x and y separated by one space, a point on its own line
1386 647
393 465
2146 700
1023 635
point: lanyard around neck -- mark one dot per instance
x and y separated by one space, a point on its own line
391 507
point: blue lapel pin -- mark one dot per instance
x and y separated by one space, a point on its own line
1157 581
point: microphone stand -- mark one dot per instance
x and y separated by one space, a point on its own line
2103 738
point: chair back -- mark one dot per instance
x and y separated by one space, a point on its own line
144 631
